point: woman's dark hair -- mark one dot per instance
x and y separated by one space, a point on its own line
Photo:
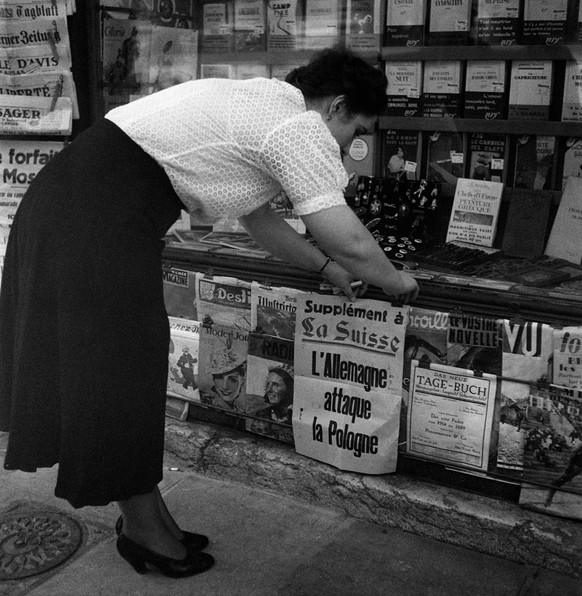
335 71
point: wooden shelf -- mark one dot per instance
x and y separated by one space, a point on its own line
514 52
513 127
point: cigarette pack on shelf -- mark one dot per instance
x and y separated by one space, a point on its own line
456 256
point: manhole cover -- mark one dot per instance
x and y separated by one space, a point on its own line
35 542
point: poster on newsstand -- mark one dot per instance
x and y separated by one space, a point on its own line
349 359
450 414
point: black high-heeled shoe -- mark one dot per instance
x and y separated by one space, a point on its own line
193 542
140 557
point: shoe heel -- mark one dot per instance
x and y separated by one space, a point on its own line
137 563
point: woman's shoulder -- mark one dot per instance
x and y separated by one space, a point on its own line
269 96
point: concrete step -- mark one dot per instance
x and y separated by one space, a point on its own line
480 523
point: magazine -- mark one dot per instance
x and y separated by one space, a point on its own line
497 23
475 211
321 24
449 23
552 465
567 357
487 156
274 310
564 240
180 292
173 57
250 32
450 414
183 359
544 23
527 351
224 301
485 90
425 342
348 381
400 154
474 343
405 23
404 88
217 26
177 14
270 386
283 25
534 162
526 224
222 368
530 89
571 106
363 28
441 89
126 55
444 157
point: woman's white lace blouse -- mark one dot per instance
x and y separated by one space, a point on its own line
230 146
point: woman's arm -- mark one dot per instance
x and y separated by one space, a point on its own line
274 234
343 236
340 233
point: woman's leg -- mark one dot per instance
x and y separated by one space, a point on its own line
145 521
169 521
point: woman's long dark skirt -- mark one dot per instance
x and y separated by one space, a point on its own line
83 330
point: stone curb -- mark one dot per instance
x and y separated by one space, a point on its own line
484 524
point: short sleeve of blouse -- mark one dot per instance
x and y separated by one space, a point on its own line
304 157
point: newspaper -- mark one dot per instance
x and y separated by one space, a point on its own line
34 9
273 310
20 162
42 85
4 233
270 383
224 300
33 59
180 292
51 32
348 381
450 414
222 368
183 359
35 115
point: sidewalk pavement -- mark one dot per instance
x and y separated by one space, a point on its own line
266 544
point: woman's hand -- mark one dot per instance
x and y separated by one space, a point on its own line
402 288
343 280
